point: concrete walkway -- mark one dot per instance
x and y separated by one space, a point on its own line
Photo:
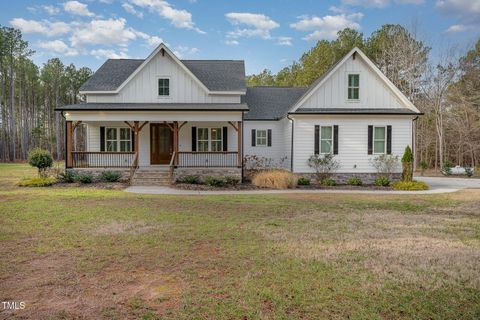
173 191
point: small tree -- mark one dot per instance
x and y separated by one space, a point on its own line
385 164
407 165
423 166
324 165
41 159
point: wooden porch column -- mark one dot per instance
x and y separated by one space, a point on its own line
175 142
69 144
239 143
136 130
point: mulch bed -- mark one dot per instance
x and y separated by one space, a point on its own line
94 185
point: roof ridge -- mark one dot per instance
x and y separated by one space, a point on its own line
213 60
282 87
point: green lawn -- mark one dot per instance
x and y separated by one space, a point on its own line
88 253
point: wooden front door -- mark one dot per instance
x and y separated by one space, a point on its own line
161 143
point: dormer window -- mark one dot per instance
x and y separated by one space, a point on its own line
163 87
353 87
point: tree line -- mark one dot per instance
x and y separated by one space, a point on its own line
446 90
29 96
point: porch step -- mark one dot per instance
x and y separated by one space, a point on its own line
151 177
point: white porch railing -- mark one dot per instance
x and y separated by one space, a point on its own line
194 159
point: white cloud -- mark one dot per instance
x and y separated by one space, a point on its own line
456 28
232 42
152 41
45 27
106 32
284 41
58 46
410 1
254 25
51 10
77 8
466 11
327 27
178 18
109 54
182 51
130 9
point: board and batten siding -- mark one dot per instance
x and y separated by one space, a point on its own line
352 140
280 148
374 93
143 87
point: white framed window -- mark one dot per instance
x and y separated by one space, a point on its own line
163 87
118 139
261 138
216 139
379 140
209 139
326 139
202 139
353 91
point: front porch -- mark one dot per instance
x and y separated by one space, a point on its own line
176 147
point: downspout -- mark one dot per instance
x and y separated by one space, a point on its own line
241 149
65 148
414 150
291 142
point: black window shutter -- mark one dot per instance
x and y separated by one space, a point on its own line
254 138
335 139
225 138
194 138
370 139
132 134
389 139
102 138
269 137
317 139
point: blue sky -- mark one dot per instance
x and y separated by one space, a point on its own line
266 34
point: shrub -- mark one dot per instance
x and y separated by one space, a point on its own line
423 165
385 164
354 181
215 181
111 176
303 181
37 182
324 165
84 177
41 159
329 182
189 179
469 171
382 181
232 180
407 165
276 179
67 176
447 167
410 185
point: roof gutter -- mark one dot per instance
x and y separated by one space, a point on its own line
356 113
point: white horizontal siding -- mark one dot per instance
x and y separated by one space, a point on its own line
352 140
280 144
143 88
87 116
374 93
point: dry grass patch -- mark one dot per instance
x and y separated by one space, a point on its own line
275 179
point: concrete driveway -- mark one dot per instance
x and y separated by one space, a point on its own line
450 182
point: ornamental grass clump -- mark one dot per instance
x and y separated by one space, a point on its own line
410 185
275 179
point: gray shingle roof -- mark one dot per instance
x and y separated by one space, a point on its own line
354 111
216 75
219 75
270 103
111 74
155 106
